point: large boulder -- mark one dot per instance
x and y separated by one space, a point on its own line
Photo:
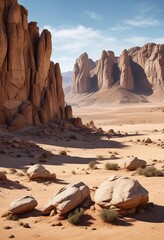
133 163
67 198
22 205
38 171
121 192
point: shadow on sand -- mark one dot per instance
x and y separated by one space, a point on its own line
155 215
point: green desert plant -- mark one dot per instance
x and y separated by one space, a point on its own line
74 217
109 215
111 166
92 164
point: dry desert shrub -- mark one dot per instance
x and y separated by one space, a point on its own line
73 172
111 166
64 153
150 171
109 215
74 217
92 165
100 157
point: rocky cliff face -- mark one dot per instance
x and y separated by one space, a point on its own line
81 74
136 69
126 77
30 84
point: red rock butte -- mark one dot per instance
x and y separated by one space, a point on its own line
30 84
137 69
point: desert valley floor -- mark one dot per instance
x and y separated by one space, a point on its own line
135 123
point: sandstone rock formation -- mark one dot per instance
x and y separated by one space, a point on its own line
81 74
104 69
30 84
133 163
126 77
137 69
67 198
23 205
121 192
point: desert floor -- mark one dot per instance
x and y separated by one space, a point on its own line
139 121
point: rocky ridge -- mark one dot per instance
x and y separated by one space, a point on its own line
139 69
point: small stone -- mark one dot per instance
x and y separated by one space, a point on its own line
11 236
7 227
26 225
93 229
58 224
148 140
21 223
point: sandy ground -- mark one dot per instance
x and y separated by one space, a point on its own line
138 121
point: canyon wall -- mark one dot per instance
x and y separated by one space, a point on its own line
137 69
30 84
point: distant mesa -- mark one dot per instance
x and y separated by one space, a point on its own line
137 70
30 84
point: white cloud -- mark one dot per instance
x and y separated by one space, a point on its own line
93 15
70 43
142 22
119 28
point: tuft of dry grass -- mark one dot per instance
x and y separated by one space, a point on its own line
111 166
92 165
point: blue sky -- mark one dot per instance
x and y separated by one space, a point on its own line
93 25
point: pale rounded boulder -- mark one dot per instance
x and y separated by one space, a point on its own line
67 198
38 172
122 193
22 205
133 163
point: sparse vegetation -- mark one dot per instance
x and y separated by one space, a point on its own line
74 217
111 166
100 157
64 153
150 171
92 165
73 172
109 215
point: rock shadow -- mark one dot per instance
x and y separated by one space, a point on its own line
153 215
12 185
